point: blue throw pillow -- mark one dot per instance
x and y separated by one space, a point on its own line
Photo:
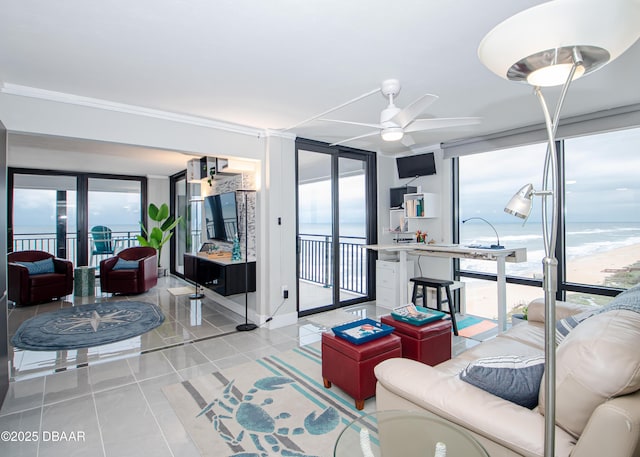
122 264
39 267
514 378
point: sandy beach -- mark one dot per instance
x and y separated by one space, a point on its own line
481 296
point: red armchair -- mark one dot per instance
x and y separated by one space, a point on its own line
38 277
132 271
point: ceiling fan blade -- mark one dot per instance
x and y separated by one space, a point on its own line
375 126
324 113
407 140
441 123
355 138
408 114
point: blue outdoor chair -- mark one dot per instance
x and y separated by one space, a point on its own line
102 242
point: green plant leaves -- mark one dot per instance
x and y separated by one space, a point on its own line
158 214
169 224
162 231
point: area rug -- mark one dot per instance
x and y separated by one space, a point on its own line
275 406
476 328
332 318
87 326
181 290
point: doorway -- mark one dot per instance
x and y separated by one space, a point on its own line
336 217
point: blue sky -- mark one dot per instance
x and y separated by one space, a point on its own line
37 209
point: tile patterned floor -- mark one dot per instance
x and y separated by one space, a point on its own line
109 402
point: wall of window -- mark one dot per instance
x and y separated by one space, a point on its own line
57 212
599 231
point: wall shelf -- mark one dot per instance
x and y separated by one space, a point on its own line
421 206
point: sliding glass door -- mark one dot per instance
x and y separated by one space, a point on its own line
43 215
76 216
114 216
336 218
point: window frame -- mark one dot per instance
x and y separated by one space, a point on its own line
564 286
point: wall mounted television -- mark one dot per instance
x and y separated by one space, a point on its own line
418 165
221 216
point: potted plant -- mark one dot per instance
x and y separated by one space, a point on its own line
517 318
161 230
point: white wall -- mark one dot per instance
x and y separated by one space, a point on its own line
438 229
32 115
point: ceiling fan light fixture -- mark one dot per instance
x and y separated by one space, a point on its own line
392 134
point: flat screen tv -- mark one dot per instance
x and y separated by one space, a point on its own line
418 165
221 216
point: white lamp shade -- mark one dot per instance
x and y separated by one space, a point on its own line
600 27
521 203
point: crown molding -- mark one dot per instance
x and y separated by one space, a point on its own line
61 97
280 134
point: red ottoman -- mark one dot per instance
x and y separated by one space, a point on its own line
350 366
429 343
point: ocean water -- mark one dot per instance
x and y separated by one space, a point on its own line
582 239
36 231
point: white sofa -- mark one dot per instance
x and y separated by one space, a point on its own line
597 382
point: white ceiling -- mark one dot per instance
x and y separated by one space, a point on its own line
272 64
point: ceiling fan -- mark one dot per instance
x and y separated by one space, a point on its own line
395 123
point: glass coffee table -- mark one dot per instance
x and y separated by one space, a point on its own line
406 434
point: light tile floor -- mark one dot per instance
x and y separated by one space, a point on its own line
110 403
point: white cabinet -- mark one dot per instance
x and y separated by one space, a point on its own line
421 205
388 282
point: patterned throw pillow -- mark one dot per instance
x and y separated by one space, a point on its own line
564 326
514 378
39 267
122 264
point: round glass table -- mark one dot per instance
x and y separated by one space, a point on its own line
406 434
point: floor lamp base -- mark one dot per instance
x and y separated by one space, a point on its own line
196 296
246 327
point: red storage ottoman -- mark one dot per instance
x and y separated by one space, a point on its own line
350 366
429 343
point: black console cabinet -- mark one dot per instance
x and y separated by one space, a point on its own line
222 276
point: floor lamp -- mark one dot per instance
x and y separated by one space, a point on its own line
549 45
246 326
196 295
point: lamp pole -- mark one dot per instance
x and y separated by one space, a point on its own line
569 39
246 326
549 262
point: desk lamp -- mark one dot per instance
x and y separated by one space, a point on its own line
550 45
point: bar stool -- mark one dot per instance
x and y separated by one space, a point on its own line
437 284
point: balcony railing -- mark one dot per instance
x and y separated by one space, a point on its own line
316 263
47 242
315 256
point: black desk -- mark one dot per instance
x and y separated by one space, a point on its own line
222 275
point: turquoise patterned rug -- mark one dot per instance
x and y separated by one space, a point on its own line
275 406
87 326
